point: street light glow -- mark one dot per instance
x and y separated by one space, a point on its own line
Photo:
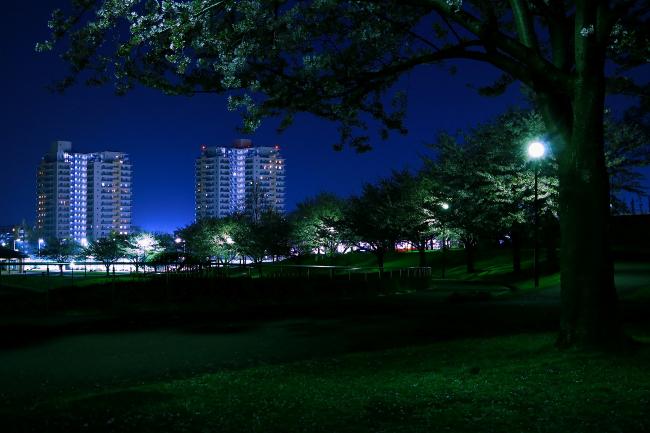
536 149
178 240
445 206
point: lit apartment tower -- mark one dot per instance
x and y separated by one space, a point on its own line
83 196
109 194
239 179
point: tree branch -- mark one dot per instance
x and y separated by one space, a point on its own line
542 69
524 24
410 32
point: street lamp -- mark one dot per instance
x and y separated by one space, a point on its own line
180 241
536 151
40 243
445 207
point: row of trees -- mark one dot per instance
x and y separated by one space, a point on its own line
477 187
138 248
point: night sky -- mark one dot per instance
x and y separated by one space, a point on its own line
163 133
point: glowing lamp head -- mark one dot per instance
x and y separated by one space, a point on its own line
444 206
536 149
178 240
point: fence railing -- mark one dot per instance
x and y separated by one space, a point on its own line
232 270
311 271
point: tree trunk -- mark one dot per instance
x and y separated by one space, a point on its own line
588 294
380 252
108 270
422 253
470 256
550 245
515 238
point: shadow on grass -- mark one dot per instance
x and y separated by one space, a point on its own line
347 325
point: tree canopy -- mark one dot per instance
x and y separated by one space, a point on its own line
338 59
60 250
317 225
108 250
142 247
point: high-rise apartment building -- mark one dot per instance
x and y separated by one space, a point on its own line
239 179
83 196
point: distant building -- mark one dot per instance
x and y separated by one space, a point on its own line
239 179
6 236
83 196
16 237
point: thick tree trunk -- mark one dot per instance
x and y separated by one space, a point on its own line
589 300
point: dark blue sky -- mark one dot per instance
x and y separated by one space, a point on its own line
163 133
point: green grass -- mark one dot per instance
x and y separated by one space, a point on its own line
641 294
40 283
503 384
494 265
513 383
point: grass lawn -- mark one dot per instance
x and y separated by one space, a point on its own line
422 369
39 283
501 384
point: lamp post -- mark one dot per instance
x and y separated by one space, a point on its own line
445 208
40 243
536 151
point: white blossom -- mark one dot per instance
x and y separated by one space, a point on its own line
586 31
